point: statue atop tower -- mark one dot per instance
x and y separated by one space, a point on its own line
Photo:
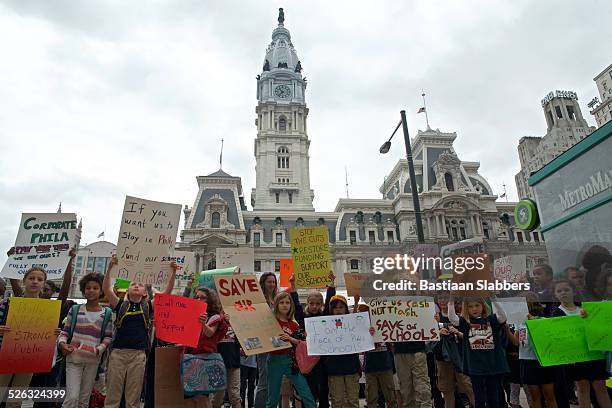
281 16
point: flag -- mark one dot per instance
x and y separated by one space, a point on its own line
100 235
421 110
59 209
503 195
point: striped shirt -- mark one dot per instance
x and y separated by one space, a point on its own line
86 338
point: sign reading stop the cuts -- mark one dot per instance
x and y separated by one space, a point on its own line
397 319
311 259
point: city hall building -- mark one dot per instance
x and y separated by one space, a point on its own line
457 203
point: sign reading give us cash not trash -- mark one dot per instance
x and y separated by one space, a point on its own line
338 334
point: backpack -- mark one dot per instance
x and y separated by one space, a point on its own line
74 312
125 305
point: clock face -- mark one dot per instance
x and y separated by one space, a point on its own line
282 91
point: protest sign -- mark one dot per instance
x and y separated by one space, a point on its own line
122 284
471 270
30 344
310 254
511 268
354 282
597 325
177 319
243 258
42 240
286 270
560 340
516 310
146 241
338 334
397 319
466 246
168 386
185 262
207 278
252 320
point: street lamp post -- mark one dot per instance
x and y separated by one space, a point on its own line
413 184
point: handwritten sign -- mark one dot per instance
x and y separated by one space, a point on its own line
168 387
311 259
286 270
354 282
243 258
42 240
397 319
560 340
516 310
338 334
176 319
186 263
597 325
251 318
29 346
146 240
511 268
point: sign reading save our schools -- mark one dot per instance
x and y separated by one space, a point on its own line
146 241
338 334
30 344
597 325
257 329
512 268
403 319
42 240
311 259
177 319
560 340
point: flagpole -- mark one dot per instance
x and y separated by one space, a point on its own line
505 194
425 106
221 156
346 181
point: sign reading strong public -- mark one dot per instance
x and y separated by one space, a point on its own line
311 259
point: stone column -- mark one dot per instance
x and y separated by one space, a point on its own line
443 219
437 225
429 227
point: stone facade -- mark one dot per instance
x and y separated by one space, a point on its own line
603 110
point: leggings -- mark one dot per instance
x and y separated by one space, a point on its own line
486 390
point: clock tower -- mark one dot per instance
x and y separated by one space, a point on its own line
281 146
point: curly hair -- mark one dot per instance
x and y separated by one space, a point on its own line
91 277
214 304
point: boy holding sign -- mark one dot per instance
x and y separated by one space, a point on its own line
126 364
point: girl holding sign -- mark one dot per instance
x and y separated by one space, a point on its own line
282 362
586 374
269 287
484 359
86 335
33 281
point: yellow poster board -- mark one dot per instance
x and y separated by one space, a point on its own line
311 258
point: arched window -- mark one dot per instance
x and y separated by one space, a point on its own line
282 157
449 182
300 222
216 220
359 217
282 124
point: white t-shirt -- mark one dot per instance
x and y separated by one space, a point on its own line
570 312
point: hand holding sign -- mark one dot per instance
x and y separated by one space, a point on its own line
176 319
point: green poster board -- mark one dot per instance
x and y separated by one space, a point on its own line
597 325
560 340
122 284
207 278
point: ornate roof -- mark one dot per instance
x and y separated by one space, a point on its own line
280 54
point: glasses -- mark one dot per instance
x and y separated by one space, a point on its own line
200 297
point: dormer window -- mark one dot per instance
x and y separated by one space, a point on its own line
215 220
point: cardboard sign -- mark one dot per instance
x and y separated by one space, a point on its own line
30 345
250 316
310 254
399 319
207 278
146 241
286 270
168 387
560 340
354 281
472 274
186 263
42 240
511 268
176 319
243 258
516 310
597 325
338 334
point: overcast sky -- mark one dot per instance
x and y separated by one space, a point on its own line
100 99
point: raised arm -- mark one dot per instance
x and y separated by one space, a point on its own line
106 284
331 292
499 311
452 315
67 280
299 310
171 279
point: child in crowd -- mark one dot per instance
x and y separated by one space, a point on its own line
126 363
269 287
343 370
214 328
34 281
539 380
449 358
248 376
86 335
483 353
282 362
586 374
